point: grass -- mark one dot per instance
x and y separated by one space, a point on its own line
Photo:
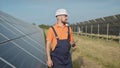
95 53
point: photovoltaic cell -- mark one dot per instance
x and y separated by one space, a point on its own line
2 38
118 16
22 45
99 20
4 64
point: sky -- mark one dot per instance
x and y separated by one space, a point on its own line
43 11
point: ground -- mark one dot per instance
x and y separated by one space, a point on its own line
95 53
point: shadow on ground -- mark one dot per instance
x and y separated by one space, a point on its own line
78 63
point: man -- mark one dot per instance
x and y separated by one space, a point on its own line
59 40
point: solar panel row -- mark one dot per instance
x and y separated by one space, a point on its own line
109 25
22 45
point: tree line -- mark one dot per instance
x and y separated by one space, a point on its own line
44 26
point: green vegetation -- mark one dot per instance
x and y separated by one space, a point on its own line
43 26
95 53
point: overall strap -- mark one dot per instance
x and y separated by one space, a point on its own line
55 33
68 33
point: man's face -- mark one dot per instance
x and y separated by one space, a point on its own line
64 19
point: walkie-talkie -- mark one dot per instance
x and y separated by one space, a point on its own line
73 44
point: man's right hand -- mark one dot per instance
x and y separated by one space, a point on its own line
50 63
73 44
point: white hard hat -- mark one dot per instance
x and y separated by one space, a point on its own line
61 12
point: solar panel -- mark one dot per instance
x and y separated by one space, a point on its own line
99 20
86 22
92 21
109 19
22 45
118 16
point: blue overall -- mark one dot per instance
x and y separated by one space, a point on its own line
61 56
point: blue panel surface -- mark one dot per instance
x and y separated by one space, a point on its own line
22 45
